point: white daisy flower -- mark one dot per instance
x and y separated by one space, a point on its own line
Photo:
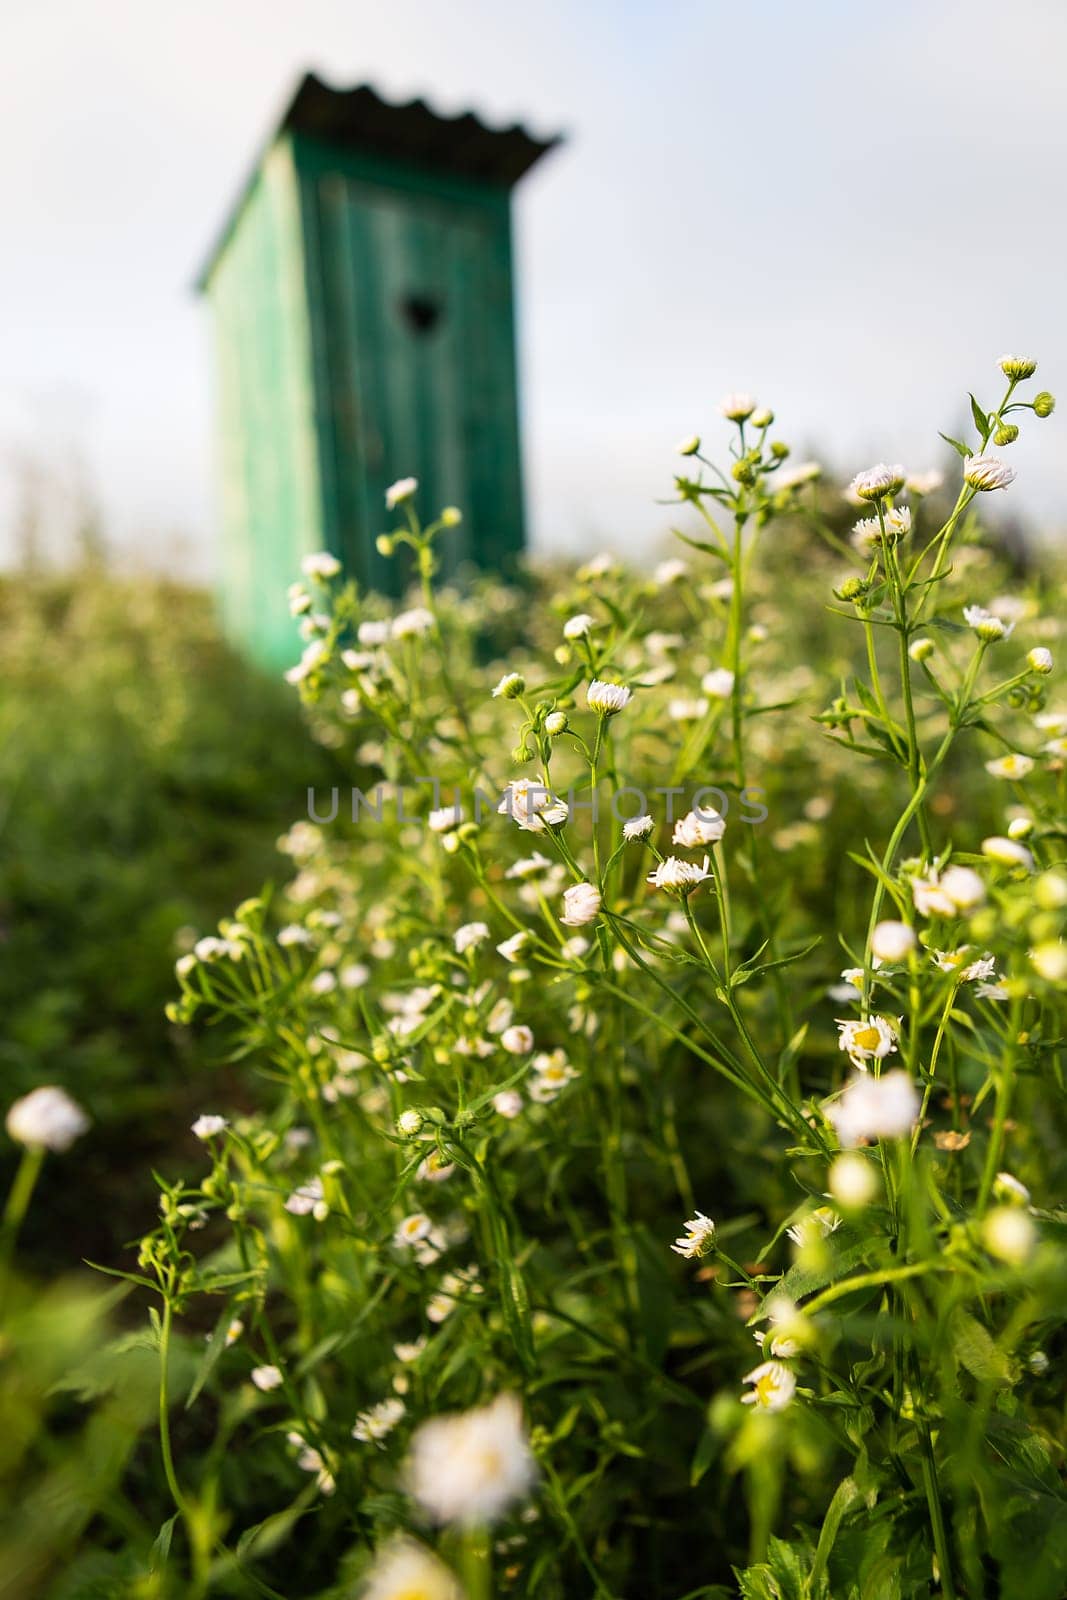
412 1230
374 1425
698 828
987 472
815 1225
878 482
577 627
444 818
581 904
406 624
773 1386
1008 852
988 627
518 1040
46 1119
698 1238
867 1039
718 684
1013 766
874 1108
679 877
668 572
267 1378
320 565
403 489
468 1468
511 949
209 1126
893 941
508 1103
607 698
470 936
737 407
533 807
405 1570
638 828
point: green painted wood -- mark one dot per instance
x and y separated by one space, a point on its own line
272 495
365 332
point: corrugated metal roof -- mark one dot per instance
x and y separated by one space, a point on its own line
359 119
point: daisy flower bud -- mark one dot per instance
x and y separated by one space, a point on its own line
853 1181
1050 891
921 649
737 407
607 698
384 544
266 1378
402 490
510 687
581 904
1020 827
518 1040
468 1468
1007 852
987 473
470 936
876 483
851 589
556 723
1007 433
689 446
762 417
668 572
409 1123
1039 660
451 517
892 942
46 1119
1044 404
508 1103
1017 367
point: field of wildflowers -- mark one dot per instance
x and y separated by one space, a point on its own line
653 1186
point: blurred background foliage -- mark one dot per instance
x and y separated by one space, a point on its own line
145 772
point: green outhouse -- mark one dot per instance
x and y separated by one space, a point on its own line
363 308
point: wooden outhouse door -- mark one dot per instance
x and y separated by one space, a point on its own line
417 298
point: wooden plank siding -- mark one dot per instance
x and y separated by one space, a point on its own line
365 332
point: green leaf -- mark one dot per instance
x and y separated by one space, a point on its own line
981 421
960 449
208 1361
704 1454
974 1348
160 1551
845 1496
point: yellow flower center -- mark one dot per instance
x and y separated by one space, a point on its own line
866 1038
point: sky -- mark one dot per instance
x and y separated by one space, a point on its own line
850 210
